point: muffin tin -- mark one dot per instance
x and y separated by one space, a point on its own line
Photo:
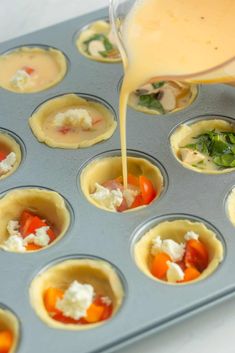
149 306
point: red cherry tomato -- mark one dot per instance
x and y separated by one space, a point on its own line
147 189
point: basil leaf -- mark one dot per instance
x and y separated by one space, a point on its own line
219 147
149 101
231 137
226 160
97 36
158 84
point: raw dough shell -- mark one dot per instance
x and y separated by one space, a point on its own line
231 206
8 321
11 145
176 230
98 27
132 102
56 54
186 131
100 274
54 105
101 170
47 204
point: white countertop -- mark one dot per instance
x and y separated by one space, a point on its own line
210 331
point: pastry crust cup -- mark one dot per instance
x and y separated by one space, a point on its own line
8 321
104 169
176 230
98 273
186 131
58 57
132 102
55 105
97 27
44 203
10 145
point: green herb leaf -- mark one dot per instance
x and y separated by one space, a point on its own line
226 160
151 102
158 84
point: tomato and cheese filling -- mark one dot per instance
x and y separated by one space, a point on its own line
6 341
78 304
113 196
7 162
178 262
28 233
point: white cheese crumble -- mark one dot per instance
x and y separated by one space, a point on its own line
74 118
14 243
110 199
40 237
168 246
7 163
95 47
106 300
77 299
191 235
174 272
129 195
20 78
13 228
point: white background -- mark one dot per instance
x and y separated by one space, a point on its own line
211 331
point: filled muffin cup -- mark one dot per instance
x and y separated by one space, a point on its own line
72 277
97 42
10 154
71 121
178 244
103 177
205 145
163 97
32 219
30 69
9 331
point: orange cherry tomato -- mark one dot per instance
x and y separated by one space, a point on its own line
94 313
51 296
6 341
32 247
108 309
159 265
196 255
190 274
28 69
147 189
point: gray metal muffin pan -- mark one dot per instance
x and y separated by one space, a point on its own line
149 306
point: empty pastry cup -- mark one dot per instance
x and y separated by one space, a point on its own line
95 273
26 211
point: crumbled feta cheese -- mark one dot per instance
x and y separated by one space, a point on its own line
14 243
40 237
129 195
107 198
191 235
106 300
77 299
74 118
168 246
7 163
13 228
20 78
174 272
